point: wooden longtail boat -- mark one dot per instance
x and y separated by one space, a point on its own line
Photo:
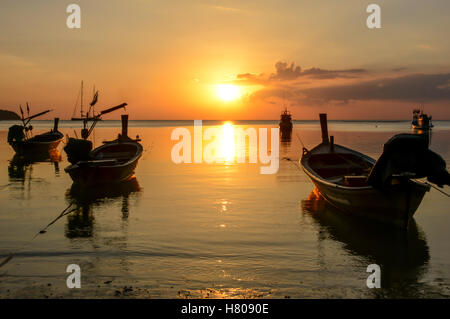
42 143
341 175
20 139
113 162
78 149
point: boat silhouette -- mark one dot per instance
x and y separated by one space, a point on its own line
421 121
112 162
386 190
286 125
21 138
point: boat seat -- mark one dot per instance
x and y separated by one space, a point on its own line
335 171
116 155
355 181
336 179
97 161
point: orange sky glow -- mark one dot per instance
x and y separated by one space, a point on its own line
228 60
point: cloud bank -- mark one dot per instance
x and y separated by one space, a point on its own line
345 85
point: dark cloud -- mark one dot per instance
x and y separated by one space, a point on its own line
286 72
411 88
291 72
318 73
414 88
400 69
250 79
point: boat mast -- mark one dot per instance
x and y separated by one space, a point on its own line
324 128
87 113
85 134
81 109
93 94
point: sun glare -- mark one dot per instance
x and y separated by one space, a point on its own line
228 92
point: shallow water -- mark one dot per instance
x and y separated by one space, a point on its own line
212 230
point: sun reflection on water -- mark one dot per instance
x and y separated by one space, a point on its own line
225 293
227 143
223 205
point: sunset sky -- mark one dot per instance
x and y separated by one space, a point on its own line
217 59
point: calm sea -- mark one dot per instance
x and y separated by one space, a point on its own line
212 230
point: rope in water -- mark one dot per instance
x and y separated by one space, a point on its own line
293 162
65 212
436 188
299 138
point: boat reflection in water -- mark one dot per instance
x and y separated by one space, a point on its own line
285 145
19 165
427 133
402 256
285 141
86 199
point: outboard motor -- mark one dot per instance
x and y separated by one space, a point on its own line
78 150
15 134
408 156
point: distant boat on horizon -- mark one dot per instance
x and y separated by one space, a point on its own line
87 116
286 125
421 120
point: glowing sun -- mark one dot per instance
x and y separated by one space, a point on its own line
228 92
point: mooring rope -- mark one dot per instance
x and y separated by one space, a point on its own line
436 188
148 150
65 212
293 162
299 138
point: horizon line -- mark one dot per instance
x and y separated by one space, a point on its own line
253 120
